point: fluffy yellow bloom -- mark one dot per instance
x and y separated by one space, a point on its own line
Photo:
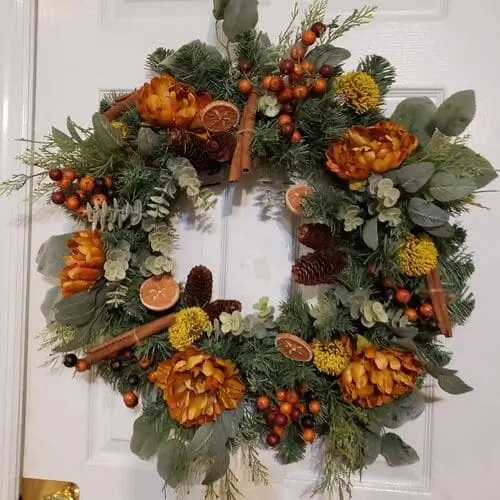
332 357
359 90
417 255
189 326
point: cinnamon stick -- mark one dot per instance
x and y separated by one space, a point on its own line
235 168
121 105
439 301
128 339
247 133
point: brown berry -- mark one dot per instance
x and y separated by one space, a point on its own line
98 199
128 355
403 296
411 313
314 406
286 408
294 78
273 439
288 129
426 310
281 419
73 202
263 403
326 71
284 119
266 82
271 416
145 363
55 174
82 365
245 87
276 85
64 184
130 399
278 430
308 37
245 66
296 137
281 395
286 95
296 415
288 107
69 174
308 66
292 397
297 53
87 183
318 28
308 435
58 197
287 66
300 92
320 86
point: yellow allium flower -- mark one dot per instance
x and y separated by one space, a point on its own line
359 90
417 256
189 326
332 357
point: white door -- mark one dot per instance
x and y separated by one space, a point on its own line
78 430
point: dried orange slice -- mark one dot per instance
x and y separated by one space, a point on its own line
293 198
293 347
220 116
159 293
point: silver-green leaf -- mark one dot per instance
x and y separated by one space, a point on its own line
400 411
445 186
200 444
109 136
145 439
50 256
453 384
51 297
147 142
408 332
415 176
456 113
219 7
437 371
219 467
173 462
397 452
373 444
65 143
328 54
425 214
231 420
370 233
444 231
239 16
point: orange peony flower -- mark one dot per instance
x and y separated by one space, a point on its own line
85 263
362 151
198 387
375 377
166 102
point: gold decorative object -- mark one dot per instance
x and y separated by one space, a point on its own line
45 489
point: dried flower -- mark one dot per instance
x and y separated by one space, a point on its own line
190 324
332 357
417 255
359 91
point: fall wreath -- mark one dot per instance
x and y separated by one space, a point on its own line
385 247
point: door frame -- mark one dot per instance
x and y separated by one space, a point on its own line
18 25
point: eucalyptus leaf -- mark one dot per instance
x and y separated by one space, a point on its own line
145 438
78 309
453 384
408 332
415 176
400 411
373 444
51 297
425 214
109 136
173 462
219 467
437 371
417 115
219 7
370 233
50 256
397 452
231 420
444 231
65 143
406 344
239 16
456 113
217 443
200 444
147 142
327 54
446 186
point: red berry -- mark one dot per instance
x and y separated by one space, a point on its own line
273 439
58 197
281 420
271 416
314 407
296 415
411 313
318 28
287 108
245 66
426 310
288 129
262 403
403 296
55 174
245 87
297 53
309 37
128 355
281 395
69 174
276 84
296 137
73 202
326 71
287 66
292 397
130 399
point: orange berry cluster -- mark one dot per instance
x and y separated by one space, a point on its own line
75 192
290 408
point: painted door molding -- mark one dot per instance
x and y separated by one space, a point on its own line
17 70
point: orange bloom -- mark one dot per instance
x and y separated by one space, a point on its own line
362 151
198 387
84 264
375 377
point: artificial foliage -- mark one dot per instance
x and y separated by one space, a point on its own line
383 192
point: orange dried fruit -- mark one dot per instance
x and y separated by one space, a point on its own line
293 198
293 347
220 116
159 293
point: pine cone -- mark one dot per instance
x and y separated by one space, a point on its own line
220 148
198 289
315 236
318 268
215 308
190 146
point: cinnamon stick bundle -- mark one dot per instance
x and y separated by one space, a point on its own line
242 157
109 347
439 301
121 105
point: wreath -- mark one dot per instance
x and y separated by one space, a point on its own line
385 247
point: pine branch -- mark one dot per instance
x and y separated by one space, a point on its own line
354 20
295 318
292 447
156 60
381 70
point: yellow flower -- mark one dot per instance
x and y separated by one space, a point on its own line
121 127
359 91
189 326
417 256
332 357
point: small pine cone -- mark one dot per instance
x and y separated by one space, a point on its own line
315 236
198 289
318 268
220 148
215 308
190 146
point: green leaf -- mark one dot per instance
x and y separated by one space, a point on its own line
373 444
406 344
109 136
219 7
217 443
425 214
50 256
453 384
145 438
415 176
456 113
239 16
231 420
445 186
147 142
173 462
397 452
328 54
73 131
63 141
444 231
200 444
78 309
400 411
51 297
417 115
219 467
370 233
436 371
408 332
